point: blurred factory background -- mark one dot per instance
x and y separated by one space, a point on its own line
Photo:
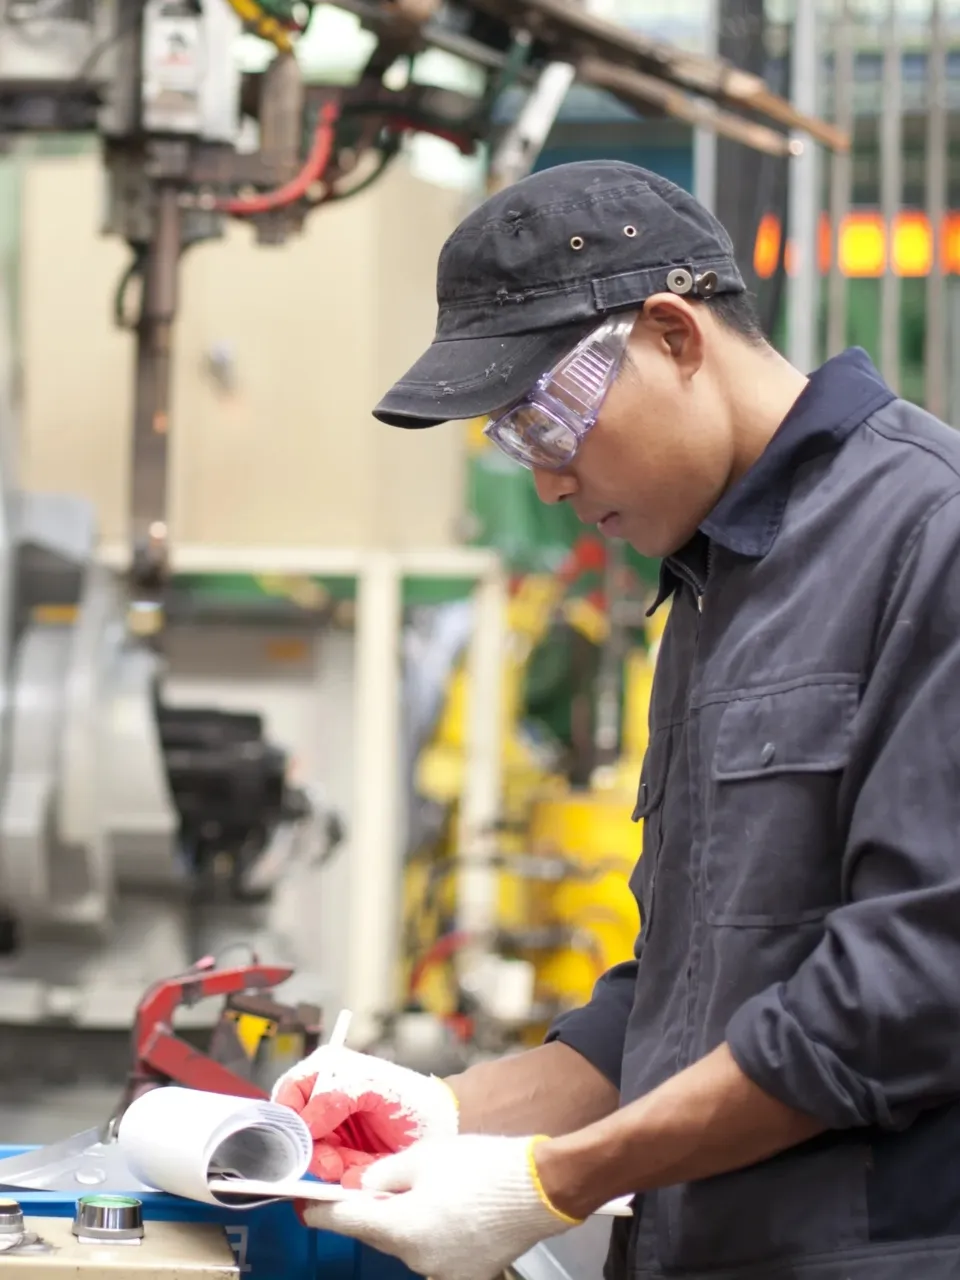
283 686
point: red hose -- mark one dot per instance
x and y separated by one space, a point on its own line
464 144
297 187
443 949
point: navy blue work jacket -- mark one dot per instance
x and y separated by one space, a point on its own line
799 886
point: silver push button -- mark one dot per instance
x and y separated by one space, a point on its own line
11 1224
109 1219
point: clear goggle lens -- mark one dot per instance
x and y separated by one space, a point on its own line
533 435
546 427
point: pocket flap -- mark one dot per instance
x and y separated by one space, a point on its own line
804 729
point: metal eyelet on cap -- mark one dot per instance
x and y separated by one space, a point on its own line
630 231
707 284
679 280
577 243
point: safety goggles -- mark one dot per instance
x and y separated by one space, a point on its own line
546 427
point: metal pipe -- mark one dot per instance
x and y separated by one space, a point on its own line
804 197
281 132
477 885
935 354
375 846
322 562
152 394
705 138
518 152
891 194
841 174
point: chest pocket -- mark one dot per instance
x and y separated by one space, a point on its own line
774 844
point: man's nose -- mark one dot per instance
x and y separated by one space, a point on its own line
554 486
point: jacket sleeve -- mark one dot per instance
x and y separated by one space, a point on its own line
598 1029
867 1031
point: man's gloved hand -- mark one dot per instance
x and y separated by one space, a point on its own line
359 1108
470 1206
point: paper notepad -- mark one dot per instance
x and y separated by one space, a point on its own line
236 1152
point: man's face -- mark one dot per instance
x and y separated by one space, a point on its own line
661 453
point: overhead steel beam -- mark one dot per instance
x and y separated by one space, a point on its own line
645 92
572 30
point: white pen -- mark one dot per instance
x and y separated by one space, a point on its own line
338 1036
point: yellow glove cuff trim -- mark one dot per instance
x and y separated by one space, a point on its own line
450 1089
535 1177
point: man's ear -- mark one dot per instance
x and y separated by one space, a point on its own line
674 324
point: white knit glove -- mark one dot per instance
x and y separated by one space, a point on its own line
470 1206
359 1108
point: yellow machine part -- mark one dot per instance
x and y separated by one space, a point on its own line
440 768
252 1030
592 829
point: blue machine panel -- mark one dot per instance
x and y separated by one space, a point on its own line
269 1243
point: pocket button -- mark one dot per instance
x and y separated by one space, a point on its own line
641 806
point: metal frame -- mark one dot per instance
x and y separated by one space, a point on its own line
804 197
935 373
891 192
841 173
705 138
375 844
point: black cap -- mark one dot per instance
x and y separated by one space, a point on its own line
538 265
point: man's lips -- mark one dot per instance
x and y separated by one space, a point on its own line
607 523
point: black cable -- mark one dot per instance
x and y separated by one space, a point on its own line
89 64
388 153
135 268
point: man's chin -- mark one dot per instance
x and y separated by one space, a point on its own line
656 544
648 547
652 544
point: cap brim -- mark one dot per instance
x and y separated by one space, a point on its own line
463 378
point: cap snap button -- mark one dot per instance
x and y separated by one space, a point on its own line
707 284
576 242
679 280
768 752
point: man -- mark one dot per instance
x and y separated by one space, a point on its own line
775 1077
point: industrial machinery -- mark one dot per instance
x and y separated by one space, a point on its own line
159 82
115 809
118 812
252 1019
565 844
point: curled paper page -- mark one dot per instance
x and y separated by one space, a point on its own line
179 1140
236 1152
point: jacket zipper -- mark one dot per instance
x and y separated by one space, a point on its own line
671 1209
699 590
702 591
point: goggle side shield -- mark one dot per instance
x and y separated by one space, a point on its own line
545 428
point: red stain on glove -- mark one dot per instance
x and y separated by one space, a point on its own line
349 1133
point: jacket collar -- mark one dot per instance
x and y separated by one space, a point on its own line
837 399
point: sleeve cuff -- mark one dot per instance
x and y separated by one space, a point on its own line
583 1031
772 1049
